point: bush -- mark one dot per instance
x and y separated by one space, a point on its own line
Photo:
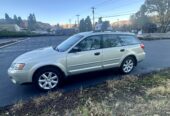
149 28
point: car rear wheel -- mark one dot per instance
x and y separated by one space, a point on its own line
47 79
128 65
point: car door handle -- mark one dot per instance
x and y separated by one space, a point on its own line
122 50
97 53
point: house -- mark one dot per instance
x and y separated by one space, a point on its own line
10 27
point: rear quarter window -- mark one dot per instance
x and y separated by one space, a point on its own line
128 40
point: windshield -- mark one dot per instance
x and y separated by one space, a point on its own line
64 46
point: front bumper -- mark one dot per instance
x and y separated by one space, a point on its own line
18 76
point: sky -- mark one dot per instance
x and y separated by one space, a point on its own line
61 11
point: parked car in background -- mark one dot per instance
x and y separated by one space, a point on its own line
81 53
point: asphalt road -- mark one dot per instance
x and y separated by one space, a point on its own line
158 57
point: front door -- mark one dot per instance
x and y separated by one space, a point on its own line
88 58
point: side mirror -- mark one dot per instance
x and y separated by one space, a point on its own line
75 49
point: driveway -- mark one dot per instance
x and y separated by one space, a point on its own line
158 57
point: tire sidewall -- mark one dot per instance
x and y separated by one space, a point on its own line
127 58
42 71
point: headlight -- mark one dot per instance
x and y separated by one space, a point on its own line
18 66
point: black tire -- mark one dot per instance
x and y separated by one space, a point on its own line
131 65
45 71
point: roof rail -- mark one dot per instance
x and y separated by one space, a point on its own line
103 31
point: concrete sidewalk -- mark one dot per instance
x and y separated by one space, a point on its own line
154 36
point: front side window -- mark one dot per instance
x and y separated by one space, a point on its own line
110 41
90 43
128 40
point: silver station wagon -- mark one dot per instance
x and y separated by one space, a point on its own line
83 52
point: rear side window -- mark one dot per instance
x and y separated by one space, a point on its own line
110 41
128 40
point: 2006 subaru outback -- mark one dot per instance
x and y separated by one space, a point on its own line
83 52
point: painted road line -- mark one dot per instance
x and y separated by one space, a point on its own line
14 43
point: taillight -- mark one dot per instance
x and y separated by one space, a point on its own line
142 46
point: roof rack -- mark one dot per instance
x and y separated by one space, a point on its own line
103 31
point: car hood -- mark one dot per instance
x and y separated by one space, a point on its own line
38 54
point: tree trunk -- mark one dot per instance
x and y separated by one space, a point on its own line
167 24
162 29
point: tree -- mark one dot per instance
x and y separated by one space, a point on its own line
20 22
140 19
82 25
8 19
34 18
15 19
150 28
162 9
124 28
88 24
105 25
7 16
100 20
31 22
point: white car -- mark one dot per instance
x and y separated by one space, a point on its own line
83 52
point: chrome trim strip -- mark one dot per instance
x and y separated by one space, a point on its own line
84 69
85 64
111 60
111 65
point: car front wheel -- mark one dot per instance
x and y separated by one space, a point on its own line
128 65
47 79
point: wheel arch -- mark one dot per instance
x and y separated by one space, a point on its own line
47 66
133 56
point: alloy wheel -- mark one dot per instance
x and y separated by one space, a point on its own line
48 80
128 65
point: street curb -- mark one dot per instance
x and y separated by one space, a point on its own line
14 43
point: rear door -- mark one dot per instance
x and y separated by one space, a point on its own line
112 51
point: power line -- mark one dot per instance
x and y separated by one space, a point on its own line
115 15
116 8
100 4
119 13
115 2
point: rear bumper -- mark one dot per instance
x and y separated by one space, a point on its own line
141 57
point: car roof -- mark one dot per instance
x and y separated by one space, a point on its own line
90 33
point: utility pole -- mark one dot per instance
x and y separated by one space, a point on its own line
78 22
118 24
70 23
93 8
